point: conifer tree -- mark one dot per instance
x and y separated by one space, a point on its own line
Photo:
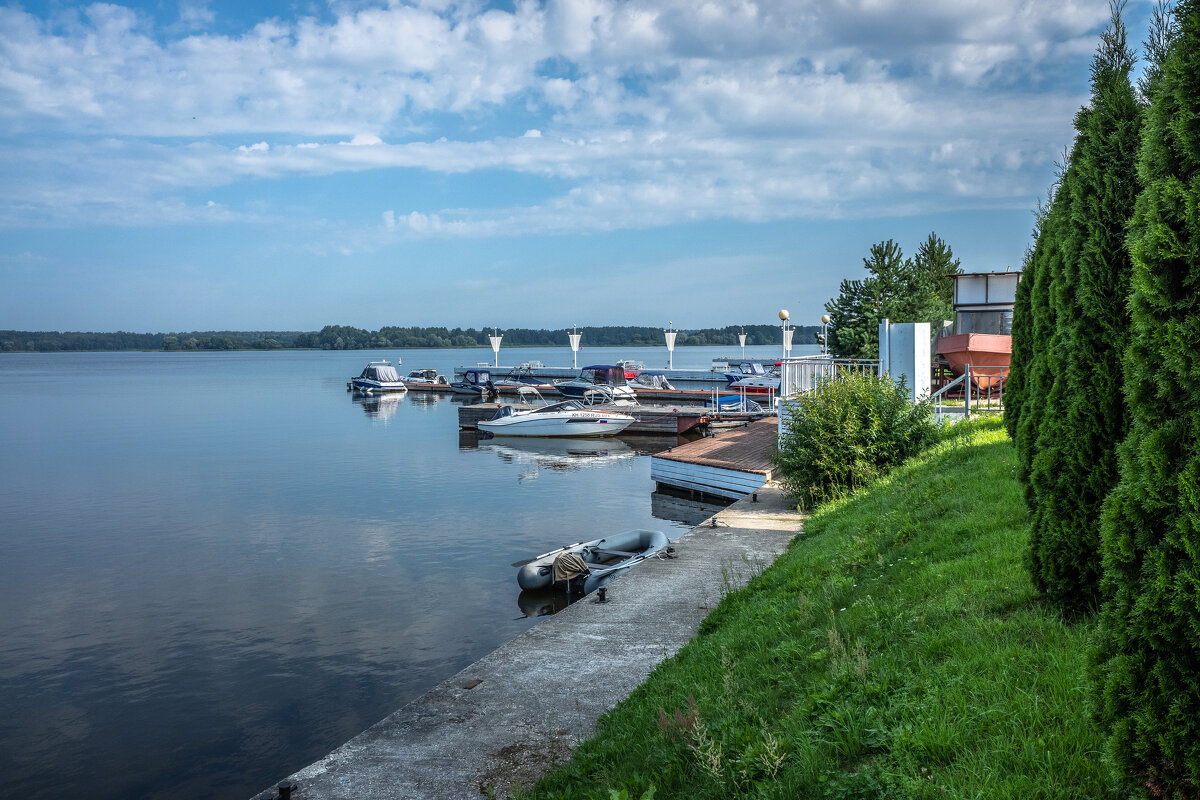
1037 377
1074 464
1022 335
1148 655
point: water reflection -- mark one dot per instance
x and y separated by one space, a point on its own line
543 602
558 454
379 406
681 507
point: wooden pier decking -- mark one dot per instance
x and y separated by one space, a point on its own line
731 464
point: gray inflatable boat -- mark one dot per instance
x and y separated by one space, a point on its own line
585 566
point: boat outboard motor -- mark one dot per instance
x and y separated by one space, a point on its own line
570 572
490 392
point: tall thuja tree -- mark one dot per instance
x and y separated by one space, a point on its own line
1022 333
1074 466
1037 375
1148 658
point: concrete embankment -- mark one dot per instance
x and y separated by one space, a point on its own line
510 716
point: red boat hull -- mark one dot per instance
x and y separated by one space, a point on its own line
988 354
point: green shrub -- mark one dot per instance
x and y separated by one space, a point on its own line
846 433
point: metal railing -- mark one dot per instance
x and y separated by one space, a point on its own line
802 375
799 376
981 388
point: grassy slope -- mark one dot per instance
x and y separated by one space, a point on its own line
897 650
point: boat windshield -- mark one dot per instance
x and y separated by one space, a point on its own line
502 412
565 405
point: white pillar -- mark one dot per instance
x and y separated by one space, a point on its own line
904 354
742 342
670 333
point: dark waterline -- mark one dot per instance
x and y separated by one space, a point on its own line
219 566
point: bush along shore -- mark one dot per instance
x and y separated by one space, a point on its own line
898 649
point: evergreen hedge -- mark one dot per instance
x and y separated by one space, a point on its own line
1074 464
1148 658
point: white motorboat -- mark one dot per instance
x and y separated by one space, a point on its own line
424 377
751 377
566 418
379 376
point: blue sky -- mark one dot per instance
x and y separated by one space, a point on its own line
264 166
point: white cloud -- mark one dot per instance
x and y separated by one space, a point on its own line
652 111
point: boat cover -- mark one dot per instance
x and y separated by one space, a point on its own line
568 567
380 372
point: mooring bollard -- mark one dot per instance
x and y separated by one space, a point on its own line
285 790
602 599
754 497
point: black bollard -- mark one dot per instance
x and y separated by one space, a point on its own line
754 497
602 599
285 790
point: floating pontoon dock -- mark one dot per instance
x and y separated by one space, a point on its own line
732 463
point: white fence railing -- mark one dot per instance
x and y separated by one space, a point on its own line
801 375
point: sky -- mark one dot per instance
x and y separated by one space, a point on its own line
240 165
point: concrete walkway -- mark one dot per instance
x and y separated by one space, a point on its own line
506 719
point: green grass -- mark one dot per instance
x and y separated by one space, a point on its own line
897 650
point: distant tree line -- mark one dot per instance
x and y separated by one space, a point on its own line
1103 401
342 337
55 341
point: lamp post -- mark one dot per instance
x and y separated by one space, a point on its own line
574 337
495 339
742 342
786 327
825 334
670 333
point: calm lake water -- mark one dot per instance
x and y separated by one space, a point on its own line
217 567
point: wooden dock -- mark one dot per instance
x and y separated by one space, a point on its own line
731 464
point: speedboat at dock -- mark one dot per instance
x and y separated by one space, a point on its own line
585 566
379 376
424 377
751 377
607 378
474 381
566 418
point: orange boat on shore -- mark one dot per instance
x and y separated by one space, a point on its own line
983 305
987 353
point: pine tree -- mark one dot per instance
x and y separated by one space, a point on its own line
1074 465
896 288
1148 656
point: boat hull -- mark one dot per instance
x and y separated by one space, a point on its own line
988 354
372 387
639 544
601 425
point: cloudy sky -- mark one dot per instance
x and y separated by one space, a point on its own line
245 165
